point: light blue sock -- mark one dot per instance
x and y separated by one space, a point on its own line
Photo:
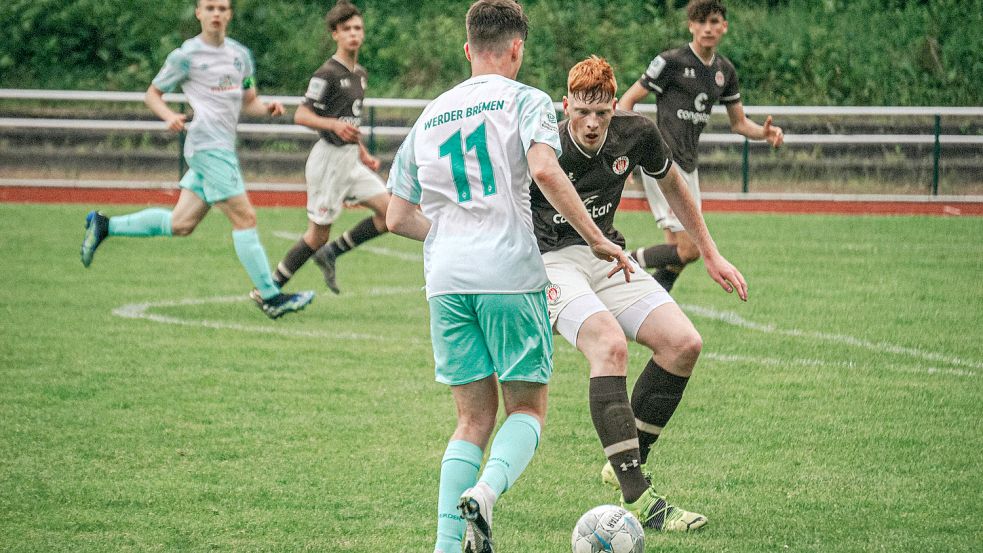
511 450
149 222
253 258
458 472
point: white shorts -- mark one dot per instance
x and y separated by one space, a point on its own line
335 176
579 287
663 214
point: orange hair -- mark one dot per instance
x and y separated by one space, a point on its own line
592 80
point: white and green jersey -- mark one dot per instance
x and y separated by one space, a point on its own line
464 163
213 79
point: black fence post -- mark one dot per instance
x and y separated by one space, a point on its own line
745 169
181 168
372 130
936 155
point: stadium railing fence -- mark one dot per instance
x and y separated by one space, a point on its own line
373 132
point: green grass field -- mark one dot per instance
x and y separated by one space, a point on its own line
146 405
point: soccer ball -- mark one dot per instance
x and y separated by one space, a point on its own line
608 529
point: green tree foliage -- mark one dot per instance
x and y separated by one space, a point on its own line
836 52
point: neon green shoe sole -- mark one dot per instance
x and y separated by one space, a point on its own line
655 512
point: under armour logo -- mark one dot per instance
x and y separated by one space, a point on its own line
689 73
631 465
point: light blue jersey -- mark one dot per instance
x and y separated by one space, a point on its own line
464 162
213 79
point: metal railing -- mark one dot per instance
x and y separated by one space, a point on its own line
936 138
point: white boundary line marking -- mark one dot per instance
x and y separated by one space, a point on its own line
733 358
404 256
732 318
142 311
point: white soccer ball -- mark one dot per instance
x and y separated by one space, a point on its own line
608 529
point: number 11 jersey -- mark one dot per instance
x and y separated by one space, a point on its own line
464 163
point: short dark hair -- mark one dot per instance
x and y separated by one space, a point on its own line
341 12
492 22
700 10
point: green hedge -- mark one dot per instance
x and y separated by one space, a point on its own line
799 52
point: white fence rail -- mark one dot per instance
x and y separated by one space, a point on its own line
937 139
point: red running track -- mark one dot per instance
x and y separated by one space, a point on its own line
267 198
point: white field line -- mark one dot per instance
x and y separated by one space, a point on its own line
732 318
142 311
404 256
802 362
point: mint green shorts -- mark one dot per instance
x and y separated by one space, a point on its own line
477 335
214 175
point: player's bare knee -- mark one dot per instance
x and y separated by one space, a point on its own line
182 228
476 423
609 356
688 348
246 219
688 253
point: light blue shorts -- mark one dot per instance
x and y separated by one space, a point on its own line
477 335
214 175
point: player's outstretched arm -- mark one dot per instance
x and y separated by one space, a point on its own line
688 212
740 124
553 182
403 218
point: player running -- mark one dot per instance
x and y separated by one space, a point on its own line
216 75
687 82
467 162
601 146
339 169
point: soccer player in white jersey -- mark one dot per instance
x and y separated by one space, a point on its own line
216 75
601 146
467 163
687 82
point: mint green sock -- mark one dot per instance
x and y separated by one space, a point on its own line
149 222
458 472
253 258
511 450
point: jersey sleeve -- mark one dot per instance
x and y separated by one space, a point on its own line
248 70
537 120
656 157
319 89
655 78
175 71
732 88
403 181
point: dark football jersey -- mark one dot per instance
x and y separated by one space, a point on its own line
686 90
334 91
632 140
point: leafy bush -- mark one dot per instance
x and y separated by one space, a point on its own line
836 52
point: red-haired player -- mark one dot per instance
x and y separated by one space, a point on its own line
601 146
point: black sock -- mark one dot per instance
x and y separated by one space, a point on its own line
658 256
654 399
615 425
295 258
362 232
666 277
